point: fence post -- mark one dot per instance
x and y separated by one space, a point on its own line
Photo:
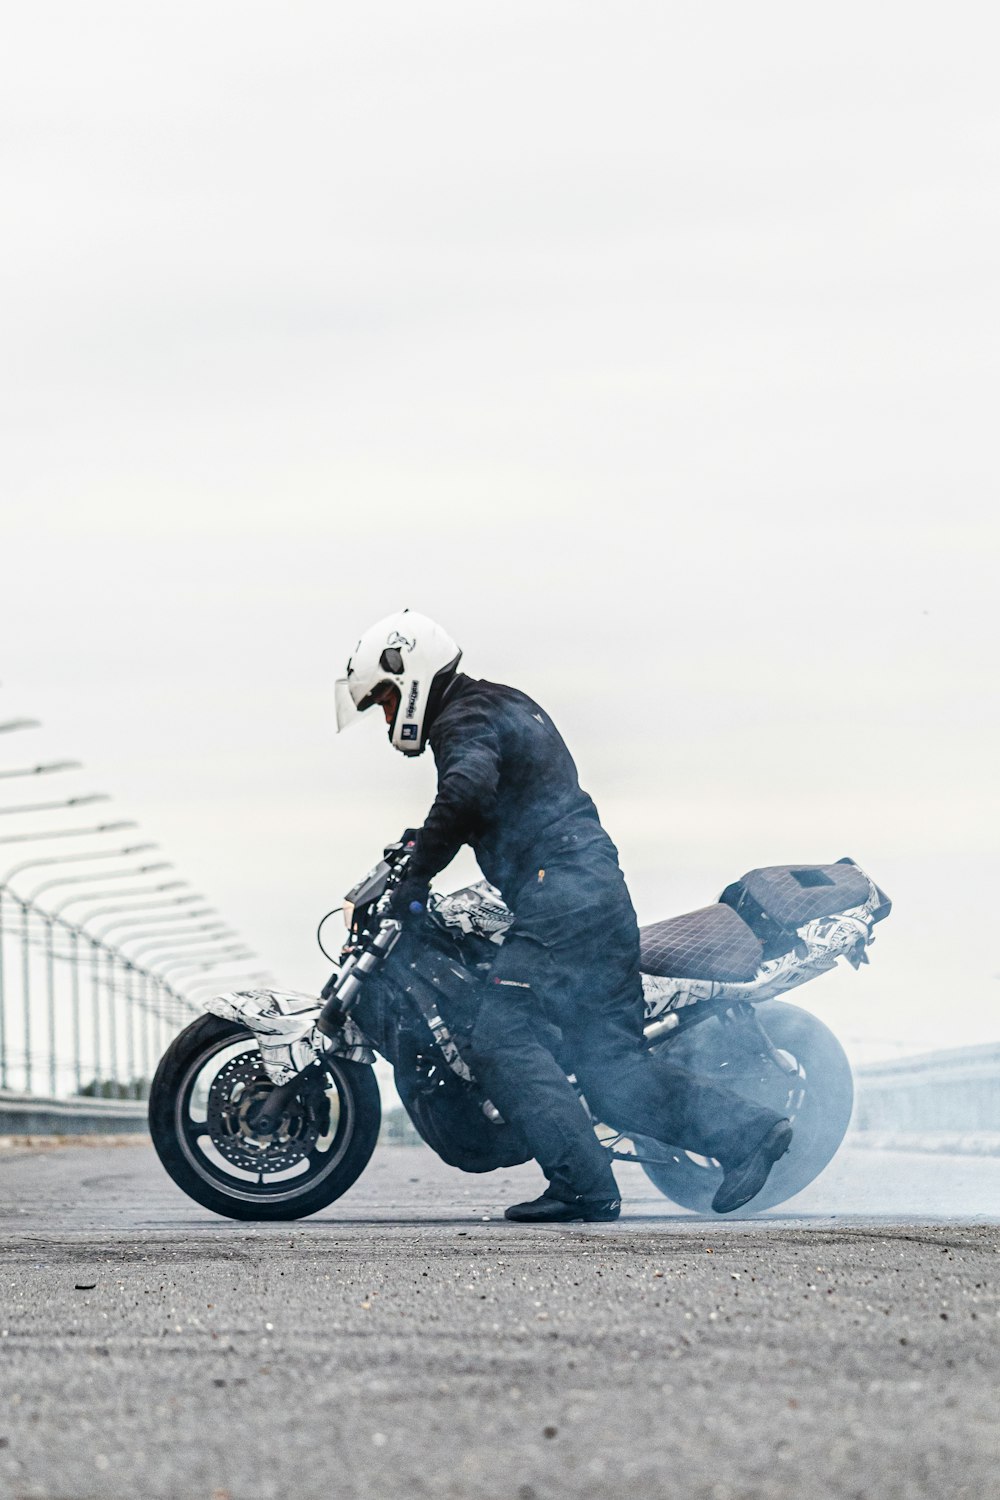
109 984
147 1045
3 1004
129 1033
26 990
96 1011
50 1001
164 1017
75 1011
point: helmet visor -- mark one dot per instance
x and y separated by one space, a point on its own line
385 694
348 712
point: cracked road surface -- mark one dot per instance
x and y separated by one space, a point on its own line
407 1343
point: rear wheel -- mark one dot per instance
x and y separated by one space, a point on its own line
202 1103
817 1096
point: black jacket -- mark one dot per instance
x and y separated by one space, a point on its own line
507 785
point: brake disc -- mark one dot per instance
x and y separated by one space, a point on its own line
240 1085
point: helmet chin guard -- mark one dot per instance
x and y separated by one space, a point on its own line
406 652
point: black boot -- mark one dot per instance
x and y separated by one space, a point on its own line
551 1209
745 1180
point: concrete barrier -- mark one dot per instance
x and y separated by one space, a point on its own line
929 1142
28 1114
936 1101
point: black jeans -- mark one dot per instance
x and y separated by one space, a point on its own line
571 961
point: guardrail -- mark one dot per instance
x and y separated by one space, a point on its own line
30 1114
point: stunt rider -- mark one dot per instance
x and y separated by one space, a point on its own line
508 786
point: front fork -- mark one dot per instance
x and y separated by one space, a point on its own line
266 1119
352 976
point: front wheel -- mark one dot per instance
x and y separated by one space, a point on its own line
202 1103
817 1095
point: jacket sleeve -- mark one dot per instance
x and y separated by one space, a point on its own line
467 751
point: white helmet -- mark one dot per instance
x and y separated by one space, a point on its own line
398 663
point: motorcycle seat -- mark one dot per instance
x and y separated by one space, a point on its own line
711 943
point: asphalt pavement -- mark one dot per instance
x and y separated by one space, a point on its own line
409 1343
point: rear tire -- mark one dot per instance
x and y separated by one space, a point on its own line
818 1100
197 1102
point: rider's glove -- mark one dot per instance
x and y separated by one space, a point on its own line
411 891
407 841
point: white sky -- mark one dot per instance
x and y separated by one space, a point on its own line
650 347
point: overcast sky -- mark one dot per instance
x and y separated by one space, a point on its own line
650 347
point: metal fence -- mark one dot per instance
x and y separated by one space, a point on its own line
85 1015
77 1016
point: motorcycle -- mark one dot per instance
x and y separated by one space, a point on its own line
267 1106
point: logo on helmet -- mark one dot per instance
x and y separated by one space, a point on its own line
401 640
411 701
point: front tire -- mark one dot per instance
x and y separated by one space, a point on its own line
206 1085
818 1099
